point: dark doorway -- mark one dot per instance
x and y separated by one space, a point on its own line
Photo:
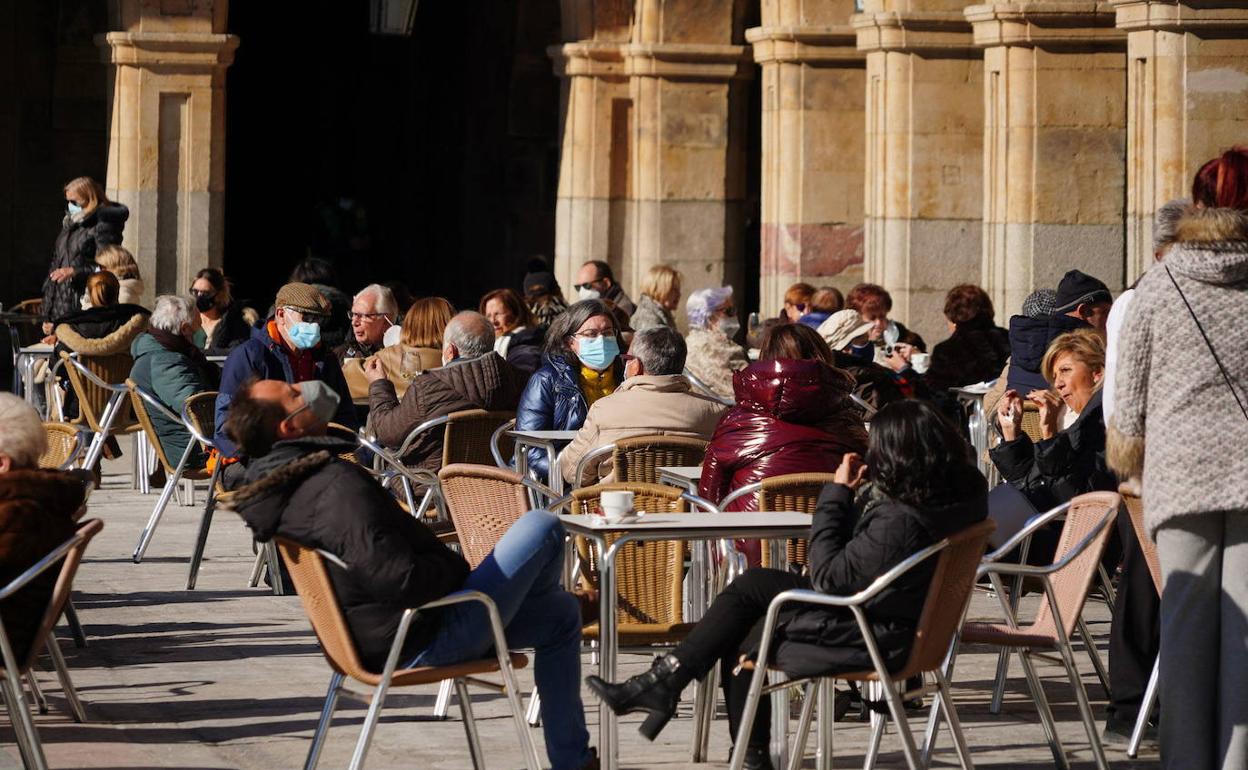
430 159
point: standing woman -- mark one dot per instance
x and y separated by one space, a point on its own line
660 296
1180 422
91 222
581 364
223 325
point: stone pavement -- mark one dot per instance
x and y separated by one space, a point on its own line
231 677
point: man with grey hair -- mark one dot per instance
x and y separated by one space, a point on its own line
654 399
472 376
372 312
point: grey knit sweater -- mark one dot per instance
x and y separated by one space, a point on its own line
1168 387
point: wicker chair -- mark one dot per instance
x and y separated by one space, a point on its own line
64 446
102 404
68 556
311 577
144 404
790 492
1135 509
637 459
483 502
948 594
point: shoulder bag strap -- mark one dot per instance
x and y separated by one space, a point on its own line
1208 344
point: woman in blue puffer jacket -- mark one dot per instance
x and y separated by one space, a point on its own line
580 364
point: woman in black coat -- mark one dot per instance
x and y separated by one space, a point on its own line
91 222
977 349
923 487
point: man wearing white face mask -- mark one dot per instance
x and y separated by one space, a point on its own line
596 281
288 348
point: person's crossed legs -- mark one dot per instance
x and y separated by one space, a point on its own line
522 576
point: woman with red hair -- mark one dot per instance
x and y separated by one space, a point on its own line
882 342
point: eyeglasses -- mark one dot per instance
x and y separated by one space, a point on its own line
353 316
203 293
593 334
308 315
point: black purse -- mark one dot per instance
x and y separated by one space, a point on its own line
1226 376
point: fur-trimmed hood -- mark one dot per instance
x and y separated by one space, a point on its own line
116 341
1212 246
273 478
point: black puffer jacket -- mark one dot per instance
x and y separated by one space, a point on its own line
853 542
302 492
1029 338
76 247
975 352
230 332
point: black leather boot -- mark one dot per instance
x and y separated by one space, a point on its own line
758 758
656 692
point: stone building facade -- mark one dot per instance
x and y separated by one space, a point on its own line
913 143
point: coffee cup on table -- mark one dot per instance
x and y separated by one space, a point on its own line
616 505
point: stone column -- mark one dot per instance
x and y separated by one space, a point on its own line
924 155
688 169
595 158
1054 145
814 92
166 154
1187 101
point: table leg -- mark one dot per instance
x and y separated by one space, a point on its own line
554 479
608 727
779 698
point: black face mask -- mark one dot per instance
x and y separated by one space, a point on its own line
205 303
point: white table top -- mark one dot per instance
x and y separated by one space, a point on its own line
37 348
693 524
682 472
978 389
543 435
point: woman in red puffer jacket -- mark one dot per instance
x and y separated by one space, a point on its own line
793 415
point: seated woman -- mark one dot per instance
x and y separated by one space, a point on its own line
419 348
120 262
977 348
168 365
580 365
660 296
873 304
516 335
223 321
713 353
922 487
1069 458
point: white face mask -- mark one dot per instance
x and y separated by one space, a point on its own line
391 337
729 327
587 293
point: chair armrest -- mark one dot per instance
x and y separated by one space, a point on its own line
419 429
594 455
701 502
499 460
39 567
554 499
987 567
1033 524
806 596
738 493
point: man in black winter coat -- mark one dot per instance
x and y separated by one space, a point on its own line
387 561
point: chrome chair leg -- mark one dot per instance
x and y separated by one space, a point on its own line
1146 711
205 523
322 724
1046 714
1085 708
257 569
171 483
32 755
827 721
998 684
470 725
533 715
442 705
275 568
809 698
67 684
1098 665
36 692
945 694
75 625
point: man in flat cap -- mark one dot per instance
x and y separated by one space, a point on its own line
286 347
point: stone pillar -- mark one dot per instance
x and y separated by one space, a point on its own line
166 153
1187 101
688 170
924 155
1054 145
594 179
813 132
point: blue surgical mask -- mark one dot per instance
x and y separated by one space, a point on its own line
73 208
599 352
304 335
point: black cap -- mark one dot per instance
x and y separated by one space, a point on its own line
540 283
1078 288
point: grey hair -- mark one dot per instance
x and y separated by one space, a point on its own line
172 312
566 324
383 299
471 333
22 437
1166 223
660 349
703 303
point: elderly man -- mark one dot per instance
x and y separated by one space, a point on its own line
37 513
472 376
387 561
595 281
372 312
654 399
287 347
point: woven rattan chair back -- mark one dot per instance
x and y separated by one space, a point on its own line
316 592
468 434
792 492
1135 509
346 434
201 410
483 501
649 575
638 459
63 444
61 590
947 595
1071 583
145 420
92 398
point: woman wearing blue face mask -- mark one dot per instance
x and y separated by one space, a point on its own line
91 222
580 364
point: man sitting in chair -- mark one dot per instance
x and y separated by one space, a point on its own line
296 488
654 399
472 376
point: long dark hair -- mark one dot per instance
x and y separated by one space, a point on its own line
913 452
567 322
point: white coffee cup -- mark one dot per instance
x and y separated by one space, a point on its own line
616 505
920 361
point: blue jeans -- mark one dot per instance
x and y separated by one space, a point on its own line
522 576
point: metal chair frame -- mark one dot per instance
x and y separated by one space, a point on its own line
106 419
705 389
992 567
495 440
378 696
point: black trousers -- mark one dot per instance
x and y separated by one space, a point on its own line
732 625
1134 633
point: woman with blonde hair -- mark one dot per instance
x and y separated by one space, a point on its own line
120 262
420 343
660 295
91 222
